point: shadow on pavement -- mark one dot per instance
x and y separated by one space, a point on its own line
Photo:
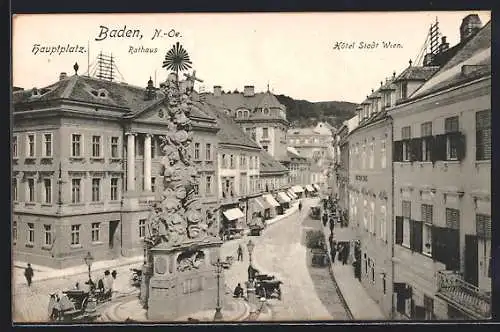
322 280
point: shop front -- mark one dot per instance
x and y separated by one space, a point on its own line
298 190
272 202
284 201
232 223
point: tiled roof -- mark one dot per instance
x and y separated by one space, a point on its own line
417 73
229 132
79 88
476 53
268 164
234 101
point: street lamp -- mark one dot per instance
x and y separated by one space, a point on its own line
218 270
88 260
250 246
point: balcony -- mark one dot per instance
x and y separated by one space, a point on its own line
463 296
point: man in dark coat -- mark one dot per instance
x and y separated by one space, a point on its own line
28 274
333 251
240 253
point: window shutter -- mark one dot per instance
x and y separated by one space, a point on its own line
412 235
453 249
416 149
461 146
438 150
398 151
418 229
399 230
437 244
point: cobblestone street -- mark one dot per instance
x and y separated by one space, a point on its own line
31 304
308 293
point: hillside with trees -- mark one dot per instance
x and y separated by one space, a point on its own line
303 113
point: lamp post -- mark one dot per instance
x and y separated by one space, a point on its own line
250 246
88 260
218 271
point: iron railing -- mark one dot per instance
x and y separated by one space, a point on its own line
463 295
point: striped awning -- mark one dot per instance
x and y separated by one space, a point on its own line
284 197
262 203
270 199
297 189
233 214
316 186
309 188
291 194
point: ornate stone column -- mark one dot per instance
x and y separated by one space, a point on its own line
147 162
130 161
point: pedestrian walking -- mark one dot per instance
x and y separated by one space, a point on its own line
240 253
108 284
114 274
345 254
28 274
300 206
333 252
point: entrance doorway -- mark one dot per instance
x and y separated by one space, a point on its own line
114 238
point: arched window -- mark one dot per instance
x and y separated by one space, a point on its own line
239 114
246 114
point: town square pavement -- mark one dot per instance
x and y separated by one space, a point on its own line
307 293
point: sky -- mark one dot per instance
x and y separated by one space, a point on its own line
293 53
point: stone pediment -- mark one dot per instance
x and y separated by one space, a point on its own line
155 114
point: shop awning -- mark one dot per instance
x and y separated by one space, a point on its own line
262 203
233 214
316 186
270 199
291 194
284 197
309 188
297 189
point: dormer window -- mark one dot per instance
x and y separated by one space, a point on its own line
266 111
404 90
101 93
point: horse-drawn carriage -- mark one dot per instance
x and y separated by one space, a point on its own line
73 305
136 277
267 286
319 257
315 212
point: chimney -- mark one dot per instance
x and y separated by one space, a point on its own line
444 45
217 90
248 91
428 59
470 25
62 76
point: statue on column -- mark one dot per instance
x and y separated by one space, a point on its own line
179 217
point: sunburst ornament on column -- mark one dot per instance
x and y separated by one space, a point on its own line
177 59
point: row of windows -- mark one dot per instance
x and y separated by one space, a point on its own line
246 113
450 146
49 235
375 222
229 161
306 141
49 238
441 243
366 159
76 190
76 146
228 188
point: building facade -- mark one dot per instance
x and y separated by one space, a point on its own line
260 115
370 197
442 180
86 159
314 143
